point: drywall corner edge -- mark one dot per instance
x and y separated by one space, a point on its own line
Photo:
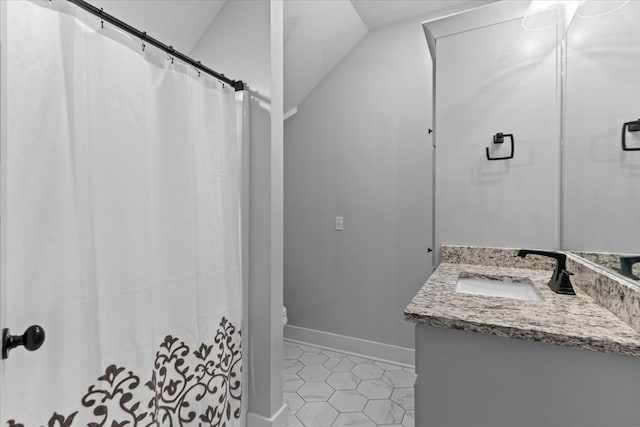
431 42
3 175
481 16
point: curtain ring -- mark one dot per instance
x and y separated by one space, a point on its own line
169 54
101 20
144 37
198 69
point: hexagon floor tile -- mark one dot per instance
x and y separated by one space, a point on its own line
355 419
290 352
387 366
384 411
339 364
408 420
399 378
331 353
343 381
313 373
403 397
291 366
348 401
368 371
294 402
375 389
315 391
310 349
325 388
291 382
294 421
313 359
317 414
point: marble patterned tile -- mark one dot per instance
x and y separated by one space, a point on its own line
294 421
342 365
317 414
327 388
399 378
359 360
291 382
291 366
357 419
384 411
293 401
387 366
348 401
367 371
375 389
291 352
411 371
404 397
314 373
313 359
343 381
331 353
409 419
309 349
332 362
315 391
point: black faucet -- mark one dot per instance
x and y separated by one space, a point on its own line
559 283
626 266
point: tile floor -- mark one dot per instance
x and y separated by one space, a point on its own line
325 388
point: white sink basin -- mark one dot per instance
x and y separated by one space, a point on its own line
498 286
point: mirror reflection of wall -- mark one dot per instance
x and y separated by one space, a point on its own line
626 265
497 81
601 180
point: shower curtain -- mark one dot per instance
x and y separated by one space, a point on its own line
122 235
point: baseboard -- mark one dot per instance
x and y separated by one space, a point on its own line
356 346
279 419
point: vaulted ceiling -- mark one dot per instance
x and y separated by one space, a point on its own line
318 33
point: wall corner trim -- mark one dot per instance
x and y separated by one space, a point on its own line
279 419
290 113
355 346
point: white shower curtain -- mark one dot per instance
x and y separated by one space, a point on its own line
122 230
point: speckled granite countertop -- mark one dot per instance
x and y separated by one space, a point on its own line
571 321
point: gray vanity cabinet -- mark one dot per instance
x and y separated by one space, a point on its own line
468 379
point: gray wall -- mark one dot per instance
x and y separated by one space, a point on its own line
237 44
358 148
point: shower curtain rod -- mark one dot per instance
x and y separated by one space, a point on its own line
142 35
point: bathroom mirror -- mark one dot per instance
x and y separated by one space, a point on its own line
625 265
601 205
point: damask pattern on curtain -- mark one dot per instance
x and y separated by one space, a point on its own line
122 230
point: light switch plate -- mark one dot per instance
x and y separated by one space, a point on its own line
339 223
